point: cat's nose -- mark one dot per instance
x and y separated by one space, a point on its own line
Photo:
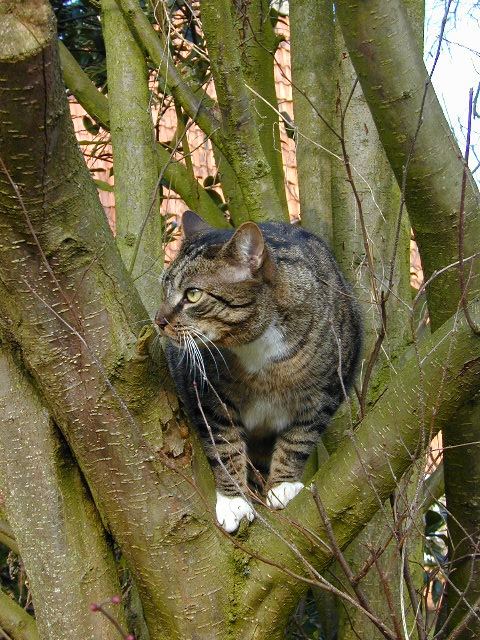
160 320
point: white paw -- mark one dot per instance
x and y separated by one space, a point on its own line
280 496
230 510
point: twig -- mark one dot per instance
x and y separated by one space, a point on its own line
374 355
100 607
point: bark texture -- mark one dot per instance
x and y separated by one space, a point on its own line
314 74
390 68
56 525
138 224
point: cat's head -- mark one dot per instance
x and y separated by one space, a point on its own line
217 287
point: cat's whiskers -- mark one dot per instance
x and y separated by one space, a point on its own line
203 338
198 358
184 351
197 337
187 349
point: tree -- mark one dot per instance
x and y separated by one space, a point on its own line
99 471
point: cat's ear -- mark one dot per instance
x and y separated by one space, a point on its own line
193 224
247 245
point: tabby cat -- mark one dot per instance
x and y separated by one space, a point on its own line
263 341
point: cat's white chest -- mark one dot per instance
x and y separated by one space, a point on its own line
267 414
257 355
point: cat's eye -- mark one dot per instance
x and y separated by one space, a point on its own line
193 295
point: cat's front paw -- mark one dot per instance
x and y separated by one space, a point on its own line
230 510
279 496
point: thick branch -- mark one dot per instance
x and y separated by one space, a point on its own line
363 472
258 42
391 71
138 223
313 94
16 621
239 132
58 530
87 94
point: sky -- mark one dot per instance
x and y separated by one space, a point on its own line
458 67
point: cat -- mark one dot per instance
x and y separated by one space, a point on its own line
264 337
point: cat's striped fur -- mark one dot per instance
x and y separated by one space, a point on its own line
272 343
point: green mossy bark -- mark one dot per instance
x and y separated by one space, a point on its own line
138 223
313 76
362 473
58 530
258 43
389 65
16 621
87 94
240 142
70 309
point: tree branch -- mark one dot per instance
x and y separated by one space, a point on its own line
87 94
365 469
258 43
16 621
138 223
240 139
395 83
313 59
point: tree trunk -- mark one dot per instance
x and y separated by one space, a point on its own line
138 224
258 44
313 76
60 535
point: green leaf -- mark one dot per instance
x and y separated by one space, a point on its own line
433 522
